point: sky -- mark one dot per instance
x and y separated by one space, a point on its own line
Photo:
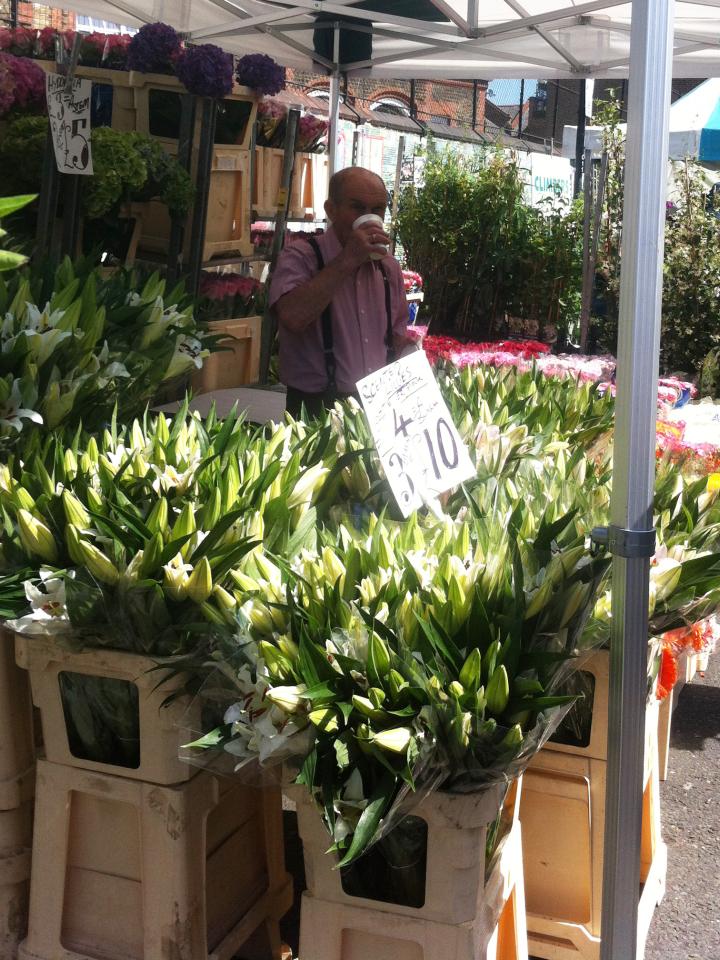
508 91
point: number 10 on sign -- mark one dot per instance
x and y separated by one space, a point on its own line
417 442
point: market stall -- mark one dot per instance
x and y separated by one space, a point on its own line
459 40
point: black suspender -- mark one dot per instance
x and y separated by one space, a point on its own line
326 320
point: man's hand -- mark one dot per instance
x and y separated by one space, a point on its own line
364 240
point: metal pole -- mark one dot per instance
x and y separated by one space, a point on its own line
522 101
589 282
334 105
396 191
283 199
651 42
587 217
580 138
184 155
202 184
355 146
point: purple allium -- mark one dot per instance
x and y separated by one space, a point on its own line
206 70
260 73
154 49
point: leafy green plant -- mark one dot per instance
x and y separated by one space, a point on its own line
130 165
22 149
483 251
9 259
690 332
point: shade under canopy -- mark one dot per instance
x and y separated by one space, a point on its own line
447 39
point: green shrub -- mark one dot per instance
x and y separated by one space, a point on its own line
483 251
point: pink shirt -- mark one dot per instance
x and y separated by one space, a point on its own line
359 318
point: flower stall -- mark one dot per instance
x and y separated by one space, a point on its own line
208 614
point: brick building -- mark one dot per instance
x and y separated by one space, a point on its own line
453 103
36 15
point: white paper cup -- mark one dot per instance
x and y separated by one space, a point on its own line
377 221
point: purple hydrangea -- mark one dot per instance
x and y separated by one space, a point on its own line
206 70
154 49
260 73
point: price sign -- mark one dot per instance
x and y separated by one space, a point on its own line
69 111
419 447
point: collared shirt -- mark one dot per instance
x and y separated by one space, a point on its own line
359 318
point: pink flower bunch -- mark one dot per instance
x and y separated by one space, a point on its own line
311 132
272 109
228 295
412 281
22 84
19 41
106 49
271 120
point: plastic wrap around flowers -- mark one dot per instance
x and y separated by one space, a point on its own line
225 296
404 661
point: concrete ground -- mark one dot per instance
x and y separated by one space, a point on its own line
686 925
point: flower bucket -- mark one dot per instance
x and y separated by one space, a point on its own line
104 710
454 912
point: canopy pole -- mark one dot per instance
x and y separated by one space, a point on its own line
334 106
651 43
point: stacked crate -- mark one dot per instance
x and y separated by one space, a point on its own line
149 858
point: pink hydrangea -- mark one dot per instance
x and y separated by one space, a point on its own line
22 84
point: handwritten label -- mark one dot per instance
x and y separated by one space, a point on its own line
417 442
69 111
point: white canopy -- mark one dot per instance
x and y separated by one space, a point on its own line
469 39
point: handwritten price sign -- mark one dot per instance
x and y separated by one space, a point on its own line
69 111
420 449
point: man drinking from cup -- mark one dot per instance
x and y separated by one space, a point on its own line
339 297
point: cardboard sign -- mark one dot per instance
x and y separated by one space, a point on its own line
69 112
417 442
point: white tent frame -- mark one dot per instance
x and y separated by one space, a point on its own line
666 38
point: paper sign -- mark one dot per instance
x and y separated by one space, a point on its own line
419 447
69 111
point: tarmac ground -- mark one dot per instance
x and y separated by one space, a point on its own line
686 925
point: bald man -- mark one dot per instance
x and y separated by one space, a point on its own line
341 314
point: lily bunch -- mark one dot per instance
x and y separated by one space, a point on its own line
73 345
137 534
399 657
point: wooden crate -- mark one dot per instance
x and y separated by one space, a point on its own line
455 876
235 366
563 815
124 114
332 930
159 737
308 187
227 227
124 870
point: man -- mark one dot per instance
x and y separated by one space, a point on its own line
340 313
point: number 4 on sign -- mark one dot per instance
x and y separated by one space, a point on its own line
401 423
